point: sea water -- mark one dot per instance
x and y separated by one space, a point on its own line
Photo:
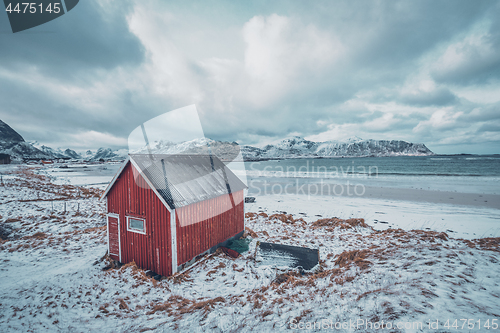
456 173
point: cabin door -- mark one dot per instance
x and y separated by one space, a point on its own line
114 245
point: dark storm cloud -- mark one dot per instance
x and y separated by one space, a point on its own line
437 97
87 38
484 113
490 127
479 58
392 33
257 70
73 51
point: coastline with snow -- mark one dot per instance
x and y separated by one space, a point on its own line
54 275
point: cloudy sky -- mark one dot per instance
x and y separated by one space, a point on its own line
258 71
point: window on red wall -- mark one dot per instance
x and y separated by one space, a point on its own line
135 224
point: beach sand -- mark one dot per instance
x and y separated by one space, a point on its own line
295 186
461 215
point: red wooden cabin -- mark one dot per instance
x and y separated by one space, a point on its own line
165 210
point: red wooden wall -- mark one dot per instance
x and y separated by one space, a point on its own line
193 239
127 198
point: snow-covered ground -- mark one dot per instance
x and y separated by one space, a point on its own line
53 276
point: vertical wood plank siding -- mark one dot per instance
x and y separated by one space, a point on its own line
132 196
128 198
196 238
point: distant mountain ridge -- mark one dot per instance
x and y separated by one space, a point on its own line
294 147
56 153
13 143
297 147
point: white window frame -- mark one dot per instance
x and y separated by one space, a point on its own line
137 231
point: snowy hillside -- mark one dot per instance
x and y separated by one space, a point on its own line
56 153
13 144
296 147
106 154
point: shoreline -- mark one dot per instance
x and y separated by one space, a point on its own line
465 222
294 186
462 215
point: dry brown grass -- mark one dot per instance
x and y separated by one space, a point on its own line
302 315
207 305
159 308
103 309
266 313
11 220
216 268
236 269
178 305
430 236
38 235
288 279
34 241
250 232
122 304
340 280
335 222
254 216
179 278
137 273
489 244
357 257
288 219
251 216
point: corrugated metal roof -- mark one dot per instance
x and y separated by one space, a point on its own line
186 179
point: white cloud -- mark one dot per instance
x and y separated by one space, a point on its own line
442 119
487 93
467 59
167 71
282 52
95 139
337 133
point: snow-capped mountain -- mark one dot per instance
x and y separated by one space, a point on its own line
56 153
226 151
72 154
297 147
13 144
294 147
106 154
